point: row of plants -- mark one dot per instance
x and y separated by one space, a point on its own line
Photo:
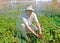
7 26
50 30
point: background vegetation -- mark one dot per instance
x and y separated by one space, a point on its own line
50 24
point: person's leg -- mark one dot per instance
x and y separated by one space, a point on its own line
23 34
33 27
33 38
23 31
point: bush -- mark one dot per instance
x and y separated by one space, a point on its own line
50 30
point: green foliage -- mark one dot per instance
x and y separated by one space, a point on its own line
50 30
7 26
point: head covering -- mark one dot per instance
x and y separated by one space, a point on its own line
29 8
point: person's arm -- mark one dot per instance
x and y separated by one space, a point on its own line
28 27
39 28
37 23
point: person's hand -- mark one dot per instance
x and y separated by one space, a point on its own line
40 33
37 35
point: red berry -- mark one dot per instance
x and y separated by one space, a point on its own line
39 34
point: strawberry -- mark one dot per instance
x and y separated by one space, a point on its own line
39 34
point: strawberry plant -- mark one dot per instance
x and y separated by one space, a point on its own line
50 30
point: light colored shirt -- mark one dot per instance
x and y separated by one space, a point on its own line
27 20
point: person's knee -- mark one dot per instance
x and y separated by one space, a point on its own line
23 25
